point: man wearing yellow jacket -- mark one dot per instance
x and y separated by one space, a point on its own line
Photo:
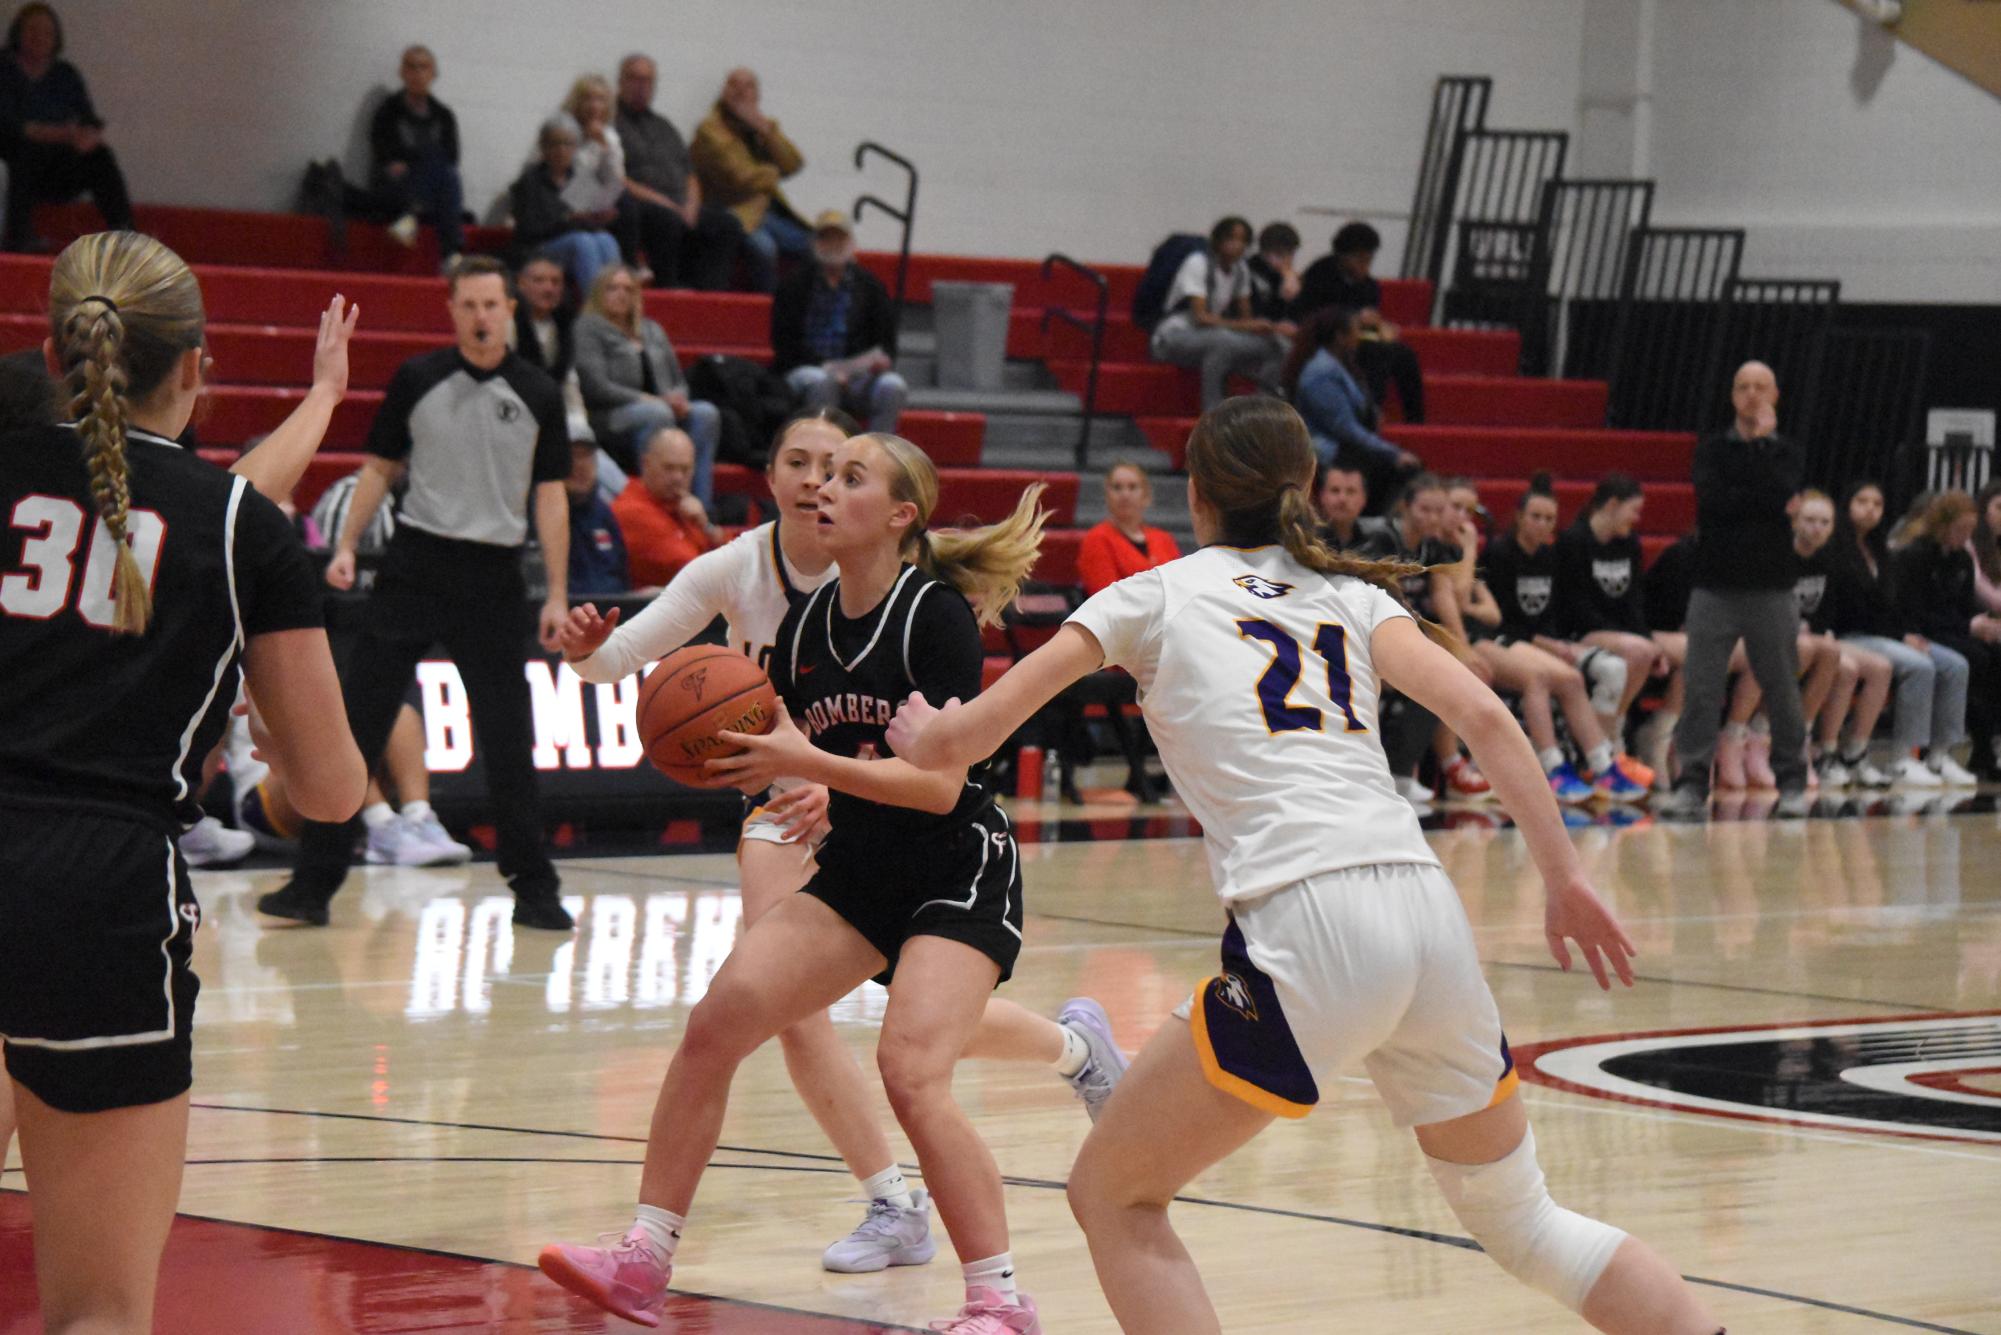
741 155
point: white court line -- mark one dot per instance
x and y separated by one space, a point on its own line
1584 1104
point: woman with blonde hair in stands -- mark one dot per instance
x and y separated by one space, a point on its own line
1935 581
1123 543
918 883
632 380
141 585
596 187
1862 681
1262 659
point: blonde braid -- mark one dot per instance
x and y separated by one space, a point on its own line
96 333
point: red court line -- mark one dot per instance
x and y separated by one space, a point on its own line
223 1278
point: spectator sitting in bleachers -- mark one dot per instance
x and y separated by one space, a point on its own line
544 220
51 136
1466 529
688 241
544 324
1862 684
1985 547
413 150
831 326
1527 658
1123 543
632 381
1275 283
1343 279
597 547
1599 565
1934 576
742 155
1208 324
596 188
1340 493
664 527
1930 680
1320 378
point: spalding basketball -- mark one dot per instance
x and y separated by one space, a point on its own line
693 695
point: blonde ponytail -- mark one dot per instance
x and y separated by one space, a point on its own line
987 564
123 309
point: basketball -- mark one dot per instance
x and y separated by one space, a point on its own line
693 695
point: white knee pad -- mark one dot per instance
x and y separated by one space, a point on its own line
1506 1207
1605 675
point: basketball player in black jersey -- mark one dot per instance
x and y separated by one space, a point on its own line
138 585
919 881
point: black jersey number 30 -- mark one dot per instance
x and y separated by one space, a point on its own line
54 526
1275 687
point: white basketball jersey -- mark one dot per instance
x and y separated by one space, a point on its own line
1258 687
747 582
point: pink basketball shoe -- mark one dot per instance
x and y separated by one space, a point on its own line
626 1279
987 1313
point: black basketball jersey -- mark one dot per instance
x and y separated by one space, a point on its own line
90 717
842 681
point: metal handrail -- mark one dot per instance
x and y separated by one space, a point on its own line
903 215
1095 330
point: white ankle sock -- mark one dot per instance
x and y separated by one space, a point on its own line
377 814
888 1185
996 1273
1551 759
1599 758
416 810
1075 1053
661 1228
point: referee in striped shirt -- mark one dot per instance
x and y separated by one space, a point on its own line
482 436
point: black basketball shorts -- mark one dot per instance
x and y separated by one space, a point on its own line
963 884
97 922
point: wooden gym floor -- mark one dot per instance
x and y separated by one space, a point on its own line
392 1115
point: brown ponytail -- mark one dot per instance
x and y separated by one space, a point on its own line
123 309
986 564
1250 457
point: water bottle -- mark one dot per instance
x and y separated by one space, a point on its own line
1052 776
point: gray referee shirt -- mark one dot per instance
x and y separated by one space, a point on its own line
476 443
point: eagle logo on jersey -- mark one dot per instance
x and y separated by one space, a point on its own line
1235 993
1615 577
1262 587
1532 593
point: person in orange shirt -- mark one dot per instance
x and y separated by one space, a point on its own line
665 526
1124 544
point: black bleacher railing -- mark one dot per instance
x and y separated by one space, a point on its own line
1667 340
1493 209
1458 105
1095 331
1783 322
1583 235
1870 411
903 215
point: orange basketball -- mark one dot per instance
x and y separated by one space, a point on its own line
694 694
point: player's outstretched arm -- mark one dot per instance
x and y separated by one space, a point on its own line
1435 679
961 735
786 753
280 459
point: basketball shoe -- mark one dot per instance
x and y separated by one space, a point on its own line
1102 1070
627 1279
988 1313
888 1235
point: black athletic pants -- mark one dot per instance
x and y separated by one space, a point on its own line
701 257
1384 363
54 173
469 597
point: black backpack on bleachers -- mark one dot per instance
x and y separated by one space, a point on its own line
752 402
1150 297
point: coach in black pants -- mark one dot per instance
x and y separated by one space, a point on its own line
1744 572
481 433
